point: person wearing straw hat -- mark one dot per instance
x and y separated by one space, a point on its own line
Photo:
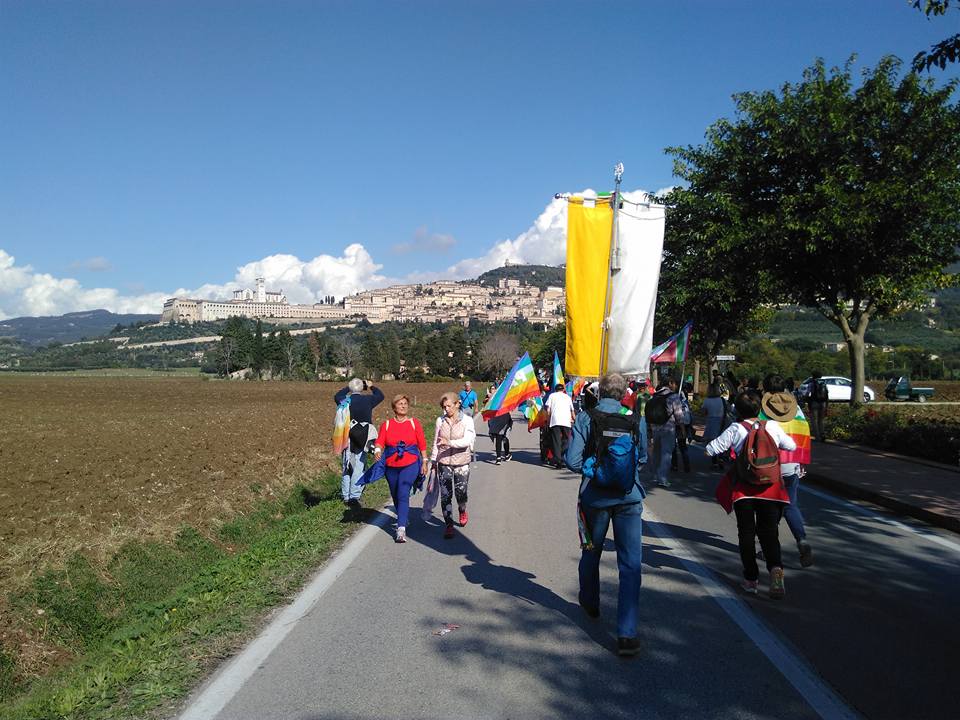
780 406
758 507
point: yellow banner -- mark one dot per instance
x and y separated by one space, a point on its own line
588 263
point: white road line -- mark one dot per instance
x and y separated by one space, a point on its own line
866 512
826 703
226 684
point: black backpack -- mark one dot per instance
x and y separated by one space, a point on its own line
655 411
818 391
614 447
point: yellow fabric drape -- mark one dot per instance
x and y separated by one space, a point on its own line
588 263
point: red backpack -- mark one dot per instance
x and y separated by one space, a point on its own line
758 462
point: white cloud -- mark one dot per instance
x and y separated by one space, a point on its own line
23 291
425 242
543 243
93 264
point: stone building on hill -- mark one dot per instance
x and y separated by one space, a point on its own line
442 301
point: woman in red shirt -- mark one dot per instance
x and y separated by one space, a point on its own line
405 446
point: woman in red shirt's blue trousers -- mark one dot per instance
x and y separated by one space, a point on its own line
405 446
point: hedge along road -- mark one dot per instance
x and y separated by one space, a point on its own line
864 631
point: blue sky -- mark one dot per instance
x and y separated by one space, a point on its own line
152 148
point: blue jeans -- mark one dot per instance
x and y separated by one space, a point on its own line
349 489
792 513
401 481
628 539
664 440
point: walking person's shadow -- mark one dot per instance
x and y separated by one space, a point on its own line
481 570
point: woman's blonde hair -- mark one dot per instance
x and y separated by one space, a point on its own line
451 396
397 398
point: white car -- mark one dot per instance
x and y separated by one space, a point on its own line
838 389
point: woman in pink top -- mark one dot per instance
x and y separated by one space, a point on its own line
401 440
452 452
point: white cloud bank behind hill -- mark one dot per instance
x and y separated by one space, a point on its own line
24 291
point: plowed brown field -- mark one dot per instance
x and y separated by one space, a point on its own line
87 463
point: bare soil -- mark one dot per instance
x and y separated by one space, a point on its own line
88 463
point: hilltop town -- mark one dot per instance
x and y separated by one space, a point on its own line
507 299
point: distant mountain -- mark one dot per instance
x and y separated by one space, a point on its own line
540 275
67 328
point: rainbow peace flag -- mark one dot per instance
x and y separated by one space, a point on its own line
557 372
673 350
799 430
519 385
534 412
341 427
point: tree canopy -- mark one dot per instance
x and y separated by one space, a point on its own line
943 52
833 195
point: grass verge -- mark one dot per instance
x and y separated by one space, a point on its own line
148 629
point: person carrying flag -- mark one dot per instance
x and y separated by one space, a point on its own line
361 428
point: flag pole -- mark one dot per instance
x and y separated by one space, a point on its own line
612 266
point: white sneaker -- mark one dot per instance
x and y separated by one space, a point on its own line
401 535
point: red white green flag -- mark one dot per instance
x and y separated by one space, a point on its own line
673 350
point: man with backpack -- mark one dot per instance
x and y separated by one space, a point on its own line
664 414
817 405
608 448
362 431
756 489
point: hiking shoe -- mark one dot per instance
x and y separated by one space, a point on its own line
628 647
750 586
463 518
806 553
777 590
448 531
401 535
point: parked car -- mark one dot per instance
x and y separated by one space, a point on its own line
901 389
838 389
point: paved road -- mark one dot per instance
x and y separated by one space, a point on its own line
870 630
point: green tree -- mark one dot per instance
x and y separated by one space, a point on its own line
258 351
288 352
554 340
944 51
846 199
701 277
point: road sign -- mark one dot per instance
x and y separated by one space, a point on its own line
726 357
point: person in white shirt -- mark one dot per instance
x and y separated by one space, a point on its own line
560 412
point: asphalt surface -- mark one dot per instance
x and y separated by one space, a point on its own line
870 630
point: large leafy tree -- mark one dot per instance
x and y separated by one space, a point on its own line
843 197
699 279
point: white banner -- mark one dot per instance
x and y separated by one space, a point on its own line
633 291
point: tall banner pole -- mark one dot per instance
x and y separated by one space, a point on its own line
612 266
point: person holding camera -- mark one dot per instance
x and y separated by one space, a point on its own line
361 432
